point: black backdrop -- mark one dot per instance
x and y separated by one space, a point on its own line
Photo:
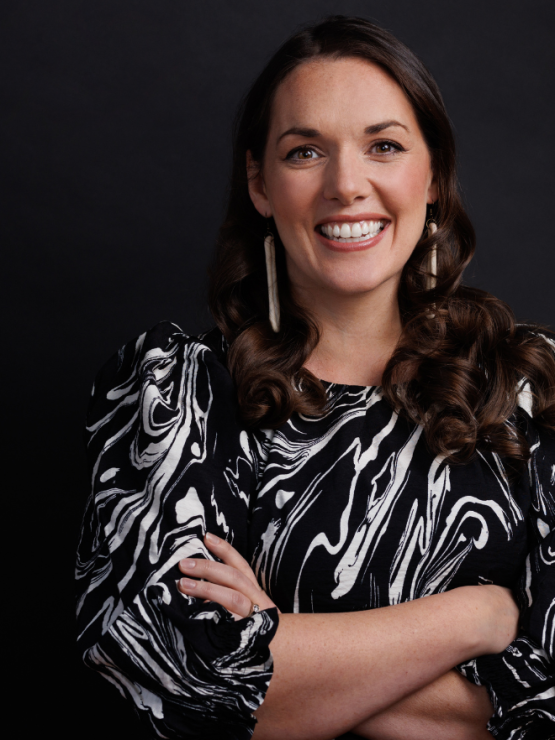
115 153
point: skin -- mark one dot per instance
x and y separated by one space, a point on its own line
379 673
383 673
342 172
450 707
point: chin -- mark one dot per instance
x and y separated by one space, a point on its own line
354 287
355 283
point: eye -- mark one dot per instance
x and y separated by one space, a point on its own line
386 147
302 154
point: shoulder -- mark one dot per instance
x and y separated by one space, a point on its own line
535 354
536 333
164 349
164 415
160 377
165 340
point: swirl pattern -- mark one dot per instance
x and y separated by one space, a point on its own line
347 511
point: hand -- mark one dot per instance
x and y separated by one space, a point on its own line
231 583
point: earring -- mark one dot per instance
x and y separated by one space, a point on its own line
431 280
271 274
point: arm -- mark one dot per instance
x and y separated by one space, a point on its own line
168 461
334 671
521 679
451 708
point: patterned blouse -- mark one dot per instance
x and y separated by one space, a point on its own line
347 511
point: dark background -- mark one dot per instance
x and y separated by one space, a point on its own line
115 139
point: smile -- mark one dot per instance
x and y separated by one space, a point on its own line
351 232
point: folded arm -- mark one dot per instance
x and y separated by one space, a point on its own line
450 708
332 672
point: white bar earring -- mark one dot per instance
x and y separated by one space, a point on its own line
271 274
431 280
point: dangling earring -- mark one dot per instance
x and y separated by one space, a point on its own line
431 279
271 274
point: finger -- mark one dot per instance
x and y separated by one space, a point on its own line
230 556
221 574
235 602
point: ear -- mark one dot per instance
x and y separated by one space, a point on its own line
433 191
257 189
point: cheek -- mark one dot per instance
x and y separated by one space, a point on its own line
415 185
291 194
407 195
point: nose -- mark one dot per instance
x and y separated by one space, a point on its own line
347 178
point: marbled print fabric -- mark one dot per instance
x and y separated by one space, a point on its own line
345 512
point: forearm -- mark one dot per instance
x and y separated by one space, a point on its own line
333 671
450 708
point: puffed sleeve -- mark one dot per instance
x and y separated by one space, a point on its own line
521 680
169 461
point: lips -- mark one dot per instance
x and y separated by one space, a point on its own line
351 231
375 229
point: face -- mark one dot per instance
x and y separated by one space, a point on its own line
346 175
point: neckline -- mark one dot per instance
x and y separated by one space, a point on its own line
329 383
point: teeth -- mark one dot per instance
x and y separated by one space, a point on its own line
352 231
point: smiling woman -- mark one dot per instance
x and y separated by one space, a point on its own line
322 174
317 175
297 480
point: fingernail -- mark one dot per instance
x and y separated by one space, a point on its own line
212 539
188 584
188 564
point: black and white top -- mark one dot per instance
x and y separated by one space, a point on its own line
343 512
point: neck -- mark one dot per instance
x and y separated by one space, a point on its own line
358 334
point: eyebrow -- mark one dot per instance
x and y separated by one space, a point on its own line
311 133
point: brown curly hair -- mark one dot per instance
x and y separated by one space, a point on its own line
461 357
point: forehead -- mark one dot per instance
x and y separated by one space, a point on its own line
345 93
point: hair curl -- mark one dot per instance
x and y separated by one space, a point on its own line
461 357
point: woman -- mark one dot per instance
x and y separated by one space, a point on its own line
360 434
